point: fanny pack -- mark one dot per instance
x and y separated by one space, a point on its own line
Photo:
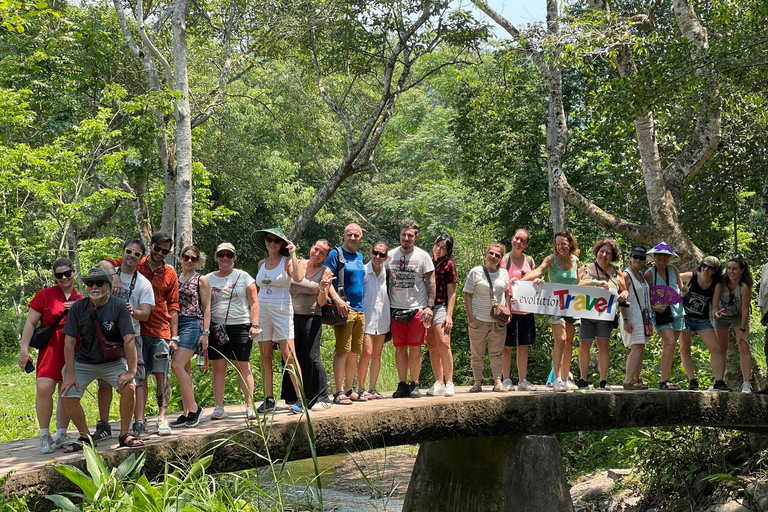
403 316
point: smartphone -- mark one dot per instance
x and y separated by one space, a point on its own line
30 367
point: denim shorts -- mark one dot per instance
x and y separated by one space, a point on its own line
678 324
156 358
189 332
697 325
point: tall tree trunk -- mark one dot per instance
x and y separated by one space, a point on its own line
183 184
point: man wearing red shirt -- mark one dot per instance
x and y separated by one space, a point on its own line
157 330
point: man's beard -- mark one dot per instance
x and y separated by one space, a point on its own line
95 294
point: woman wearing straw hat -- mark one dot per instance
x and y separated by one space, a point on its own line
668 320
276 272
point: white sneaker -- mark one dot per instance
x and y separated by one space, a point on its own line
218 413
508 384
163 428
46 444
559 384
746 387
569 384
437 389
524 385
250 414
449 391
320 406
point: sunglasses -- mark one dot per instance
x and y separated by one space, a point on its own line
157 248
379 254
91 284
138 254
704 266
494 254
638 257
225 255
186 257
62 275
271 240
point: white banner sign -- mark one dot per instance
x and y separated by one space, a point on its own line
565 300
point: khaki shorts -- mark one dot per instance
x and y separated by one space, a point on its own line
349 337
86 373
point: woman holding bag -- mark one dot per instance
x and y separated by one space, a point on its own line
478 300
636 325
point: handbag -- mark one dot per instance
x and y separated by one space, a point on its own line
219 331
498 312
665 317
403 316
110 350
42 335
330 315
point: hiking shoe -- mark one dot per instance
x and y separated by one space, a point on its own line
582 384
720 385
604 386
103 432
163 428
140 429
524 385
746 387
218 413
63 441
559 385
402 391
193 418
413 390
320 406
569 384
46 444
436 389
181 421
693 385
267 405
449 389
296 408
508 384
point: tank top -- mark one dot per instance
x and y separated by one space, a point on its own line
731 301
613 281
697 301
558 275
274 285
304 294
189 297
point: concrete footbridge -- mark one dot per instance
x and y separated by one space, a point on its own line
482 451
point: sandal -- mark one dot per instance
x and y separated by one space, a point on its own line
77 446
476 388
364 395
499 388
339 398
375 394
133 442
356 397
666 384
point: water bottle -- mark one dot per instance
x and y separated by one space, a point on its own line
201 360
427 323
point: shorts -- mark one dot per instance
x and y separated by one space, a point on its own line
557 319
591 329
678 324
276 321
237 349
189 332
86 373
411 334
440 312
349 337
727 322
521 330
698 325
141 371
155 354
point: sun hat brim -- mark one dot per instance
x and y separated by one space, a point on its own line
257 237
664 248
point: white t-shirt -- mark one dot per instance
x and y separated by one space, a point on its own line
408 290
477 284
142 294
376 301
234 286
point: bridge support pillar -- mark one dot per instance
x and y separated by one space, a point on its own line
489 474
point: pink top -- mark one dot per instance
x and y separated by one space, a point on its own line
518 273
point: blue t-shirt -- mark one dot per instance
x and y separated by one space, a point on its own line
354 276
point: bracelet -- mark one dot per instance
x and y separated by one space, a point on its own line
742 329
322 290
254 326
206 333
174 338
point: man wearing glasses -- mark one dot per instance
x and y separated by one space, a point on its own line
157 331
411 299
98 316
140 299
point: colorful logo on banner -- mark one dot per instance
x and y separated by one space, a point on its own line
564 300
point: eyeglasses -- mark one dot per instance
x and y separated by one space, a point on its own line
271 240
638 257
704 266
225 255
91 284
157 248
138 254
379 254
494 254
62 275
186 257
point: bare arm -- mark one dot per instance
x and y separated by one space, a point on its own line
326 285
293 263
142 313
429 281
69 361
33 318
468 306
540 270
716 300
448 322
746 299
253 302
683 287
117 284
205 302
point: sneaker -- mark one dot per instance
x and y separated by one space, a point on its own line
296 408
63 441
693 385
103 432
320 406
524 385
449 390
193 419
218 413
267 405
569 384
604 386
508 384
140 429
437 389
181 421
402 391
746 387
249 414
559 385
163 428
582 384
46 444
413 390
720 385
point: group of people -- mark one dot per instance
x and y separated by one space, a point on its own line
141 318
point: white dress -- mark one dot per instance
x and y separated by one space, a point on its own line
635 313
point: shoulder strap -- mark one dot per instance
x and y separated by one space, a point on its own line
340 272
490 284
529 259
95 320
231 293
509 261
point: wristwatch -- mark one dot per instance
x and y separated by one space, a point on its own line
255 326
206 333
174 338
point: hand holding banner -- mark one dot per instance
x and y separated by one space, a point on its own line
565 300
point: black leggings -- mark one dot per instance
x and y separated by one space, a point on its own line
308 330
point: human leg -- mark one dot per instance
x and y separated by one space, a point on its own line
178 364
377 347
434 353
669 340
478 332
715 356
603 357
685 354
44 388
